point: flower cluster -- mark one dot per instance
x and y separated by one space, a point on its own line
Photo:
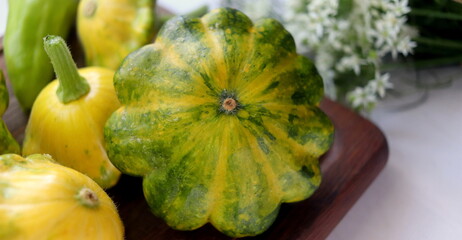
349 36
347 40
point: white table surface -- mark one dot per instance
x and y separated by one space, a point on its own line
419 193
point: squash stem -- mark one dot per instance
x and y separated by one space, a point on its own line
228 103
71 85
88 198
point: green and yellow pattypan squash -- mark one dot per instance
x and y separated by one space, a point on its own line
220 117
43 200
7 143
110 29
68 117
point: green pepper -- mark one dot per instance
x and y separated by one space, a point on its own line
7 143
29 68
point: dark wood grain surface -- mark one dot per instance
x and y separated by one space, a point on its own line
358 154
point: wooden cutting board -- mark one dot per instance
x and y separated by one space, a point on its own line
358 154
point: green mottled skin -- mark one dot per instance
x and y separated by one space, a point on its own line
203 164
7 143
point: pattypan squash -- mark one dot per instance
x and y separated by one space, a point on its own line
110 29
220 117
68 117
40 199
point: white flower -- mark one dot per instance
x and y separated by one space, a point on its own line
336 34
324 61
400 7
371 30
384 32
362 98
315 23
380 84
405 45
352 62
394 23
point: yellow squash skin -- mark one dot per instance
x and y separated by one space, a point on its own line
40 199
110 29
73 133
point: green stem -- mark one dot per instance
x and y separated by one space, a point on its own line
435 14
71 85
439 42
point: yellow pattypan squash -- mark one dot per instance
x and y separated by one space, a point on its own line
110 29
40 199
68 117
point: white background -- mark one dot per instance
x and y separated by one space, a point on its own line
418 195
3 14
